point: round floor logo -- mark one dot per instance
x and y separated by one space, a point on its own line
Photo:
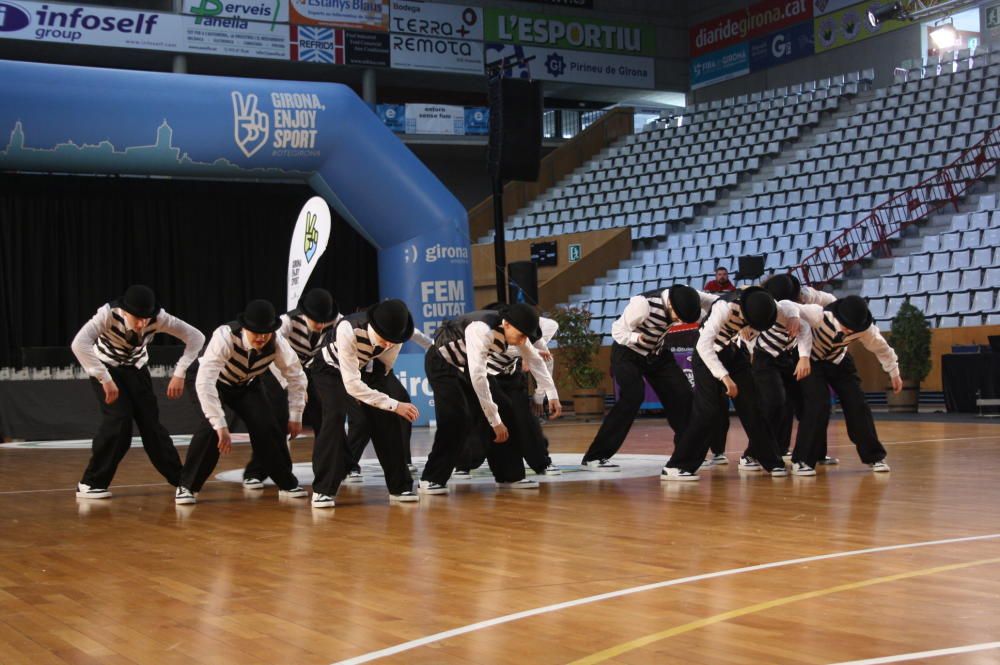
13 18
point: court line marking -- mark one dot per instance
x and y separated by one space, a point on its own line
117 487
516 616
924 654
646 640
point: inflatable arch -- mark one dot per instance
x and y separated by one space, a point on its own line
56 118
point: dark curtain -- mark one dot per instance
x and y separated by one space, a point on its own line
69 244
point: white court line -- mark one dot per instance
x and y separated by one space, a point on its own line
508 618
73 489
924 654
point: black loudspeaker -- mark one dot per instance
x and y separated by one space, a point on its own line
515 128
522 279
750 267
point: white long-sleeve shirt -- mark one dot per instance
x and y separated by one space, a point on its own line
110 321
637 329
831 342
351 364
218 353
724 324
480 342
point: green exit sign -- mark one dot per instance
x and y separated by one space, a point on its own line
575 252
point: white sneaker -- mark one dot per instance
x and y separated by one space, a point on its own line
786 455
323 501
427 487
253 484
294 493
523 484
88 492
600 465
880 467
828 461
802 469
553 470
403 497
749 464
184 496
670 473
461 474
719 460
705 463
412 468
778 472
354 477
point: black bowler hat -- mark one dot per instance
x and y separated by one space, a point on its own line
534 335
525 319
759 308
259 317
392 320
685 302
140 302
852 312
318 305
784 287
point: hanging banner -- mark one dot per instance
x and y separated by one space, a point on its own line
757 20
363 14
392 116
92 26
366 49
235 37
435 119
436 20
782 46
273 11
477 121
721 65
570 32
437 54
574 66
333 46
850 26
309 241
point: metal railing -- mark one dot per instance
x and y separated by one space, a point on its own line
871 235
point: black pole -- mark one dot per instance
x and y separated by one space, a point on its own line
499 247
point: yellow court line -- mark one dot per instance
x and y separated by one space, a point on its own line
631 645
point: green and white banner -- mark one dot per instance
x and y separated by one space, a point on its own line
568 32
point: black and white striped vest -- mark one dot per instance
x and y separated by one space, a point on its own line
364 345
246 363
450 339
734 323
653 331
118 346
829 343
776 340
303 341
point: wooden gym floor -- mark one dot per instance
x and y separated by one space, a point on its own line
735 569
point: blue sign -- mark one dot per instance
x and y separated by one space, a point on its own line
87 120
409 369
477 121
720 65
782 46
393 116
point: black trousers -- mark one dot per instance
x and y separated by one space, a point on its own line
251 404
331 457
359 430
137 402
278 398
844 379
459 414
705 414
667 380
717 443
778 390
525 430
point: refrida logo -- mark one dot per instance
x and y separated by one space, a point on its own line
13 17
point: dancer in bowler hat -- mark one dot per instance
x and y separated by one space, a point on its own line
229 375
111 347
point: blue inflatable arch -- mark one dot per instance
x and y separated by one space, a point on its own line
56 118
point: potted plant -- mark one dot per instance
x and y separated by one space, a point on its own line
578 348
911 339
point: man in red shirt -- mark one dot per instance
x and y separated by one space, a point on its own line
721 282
